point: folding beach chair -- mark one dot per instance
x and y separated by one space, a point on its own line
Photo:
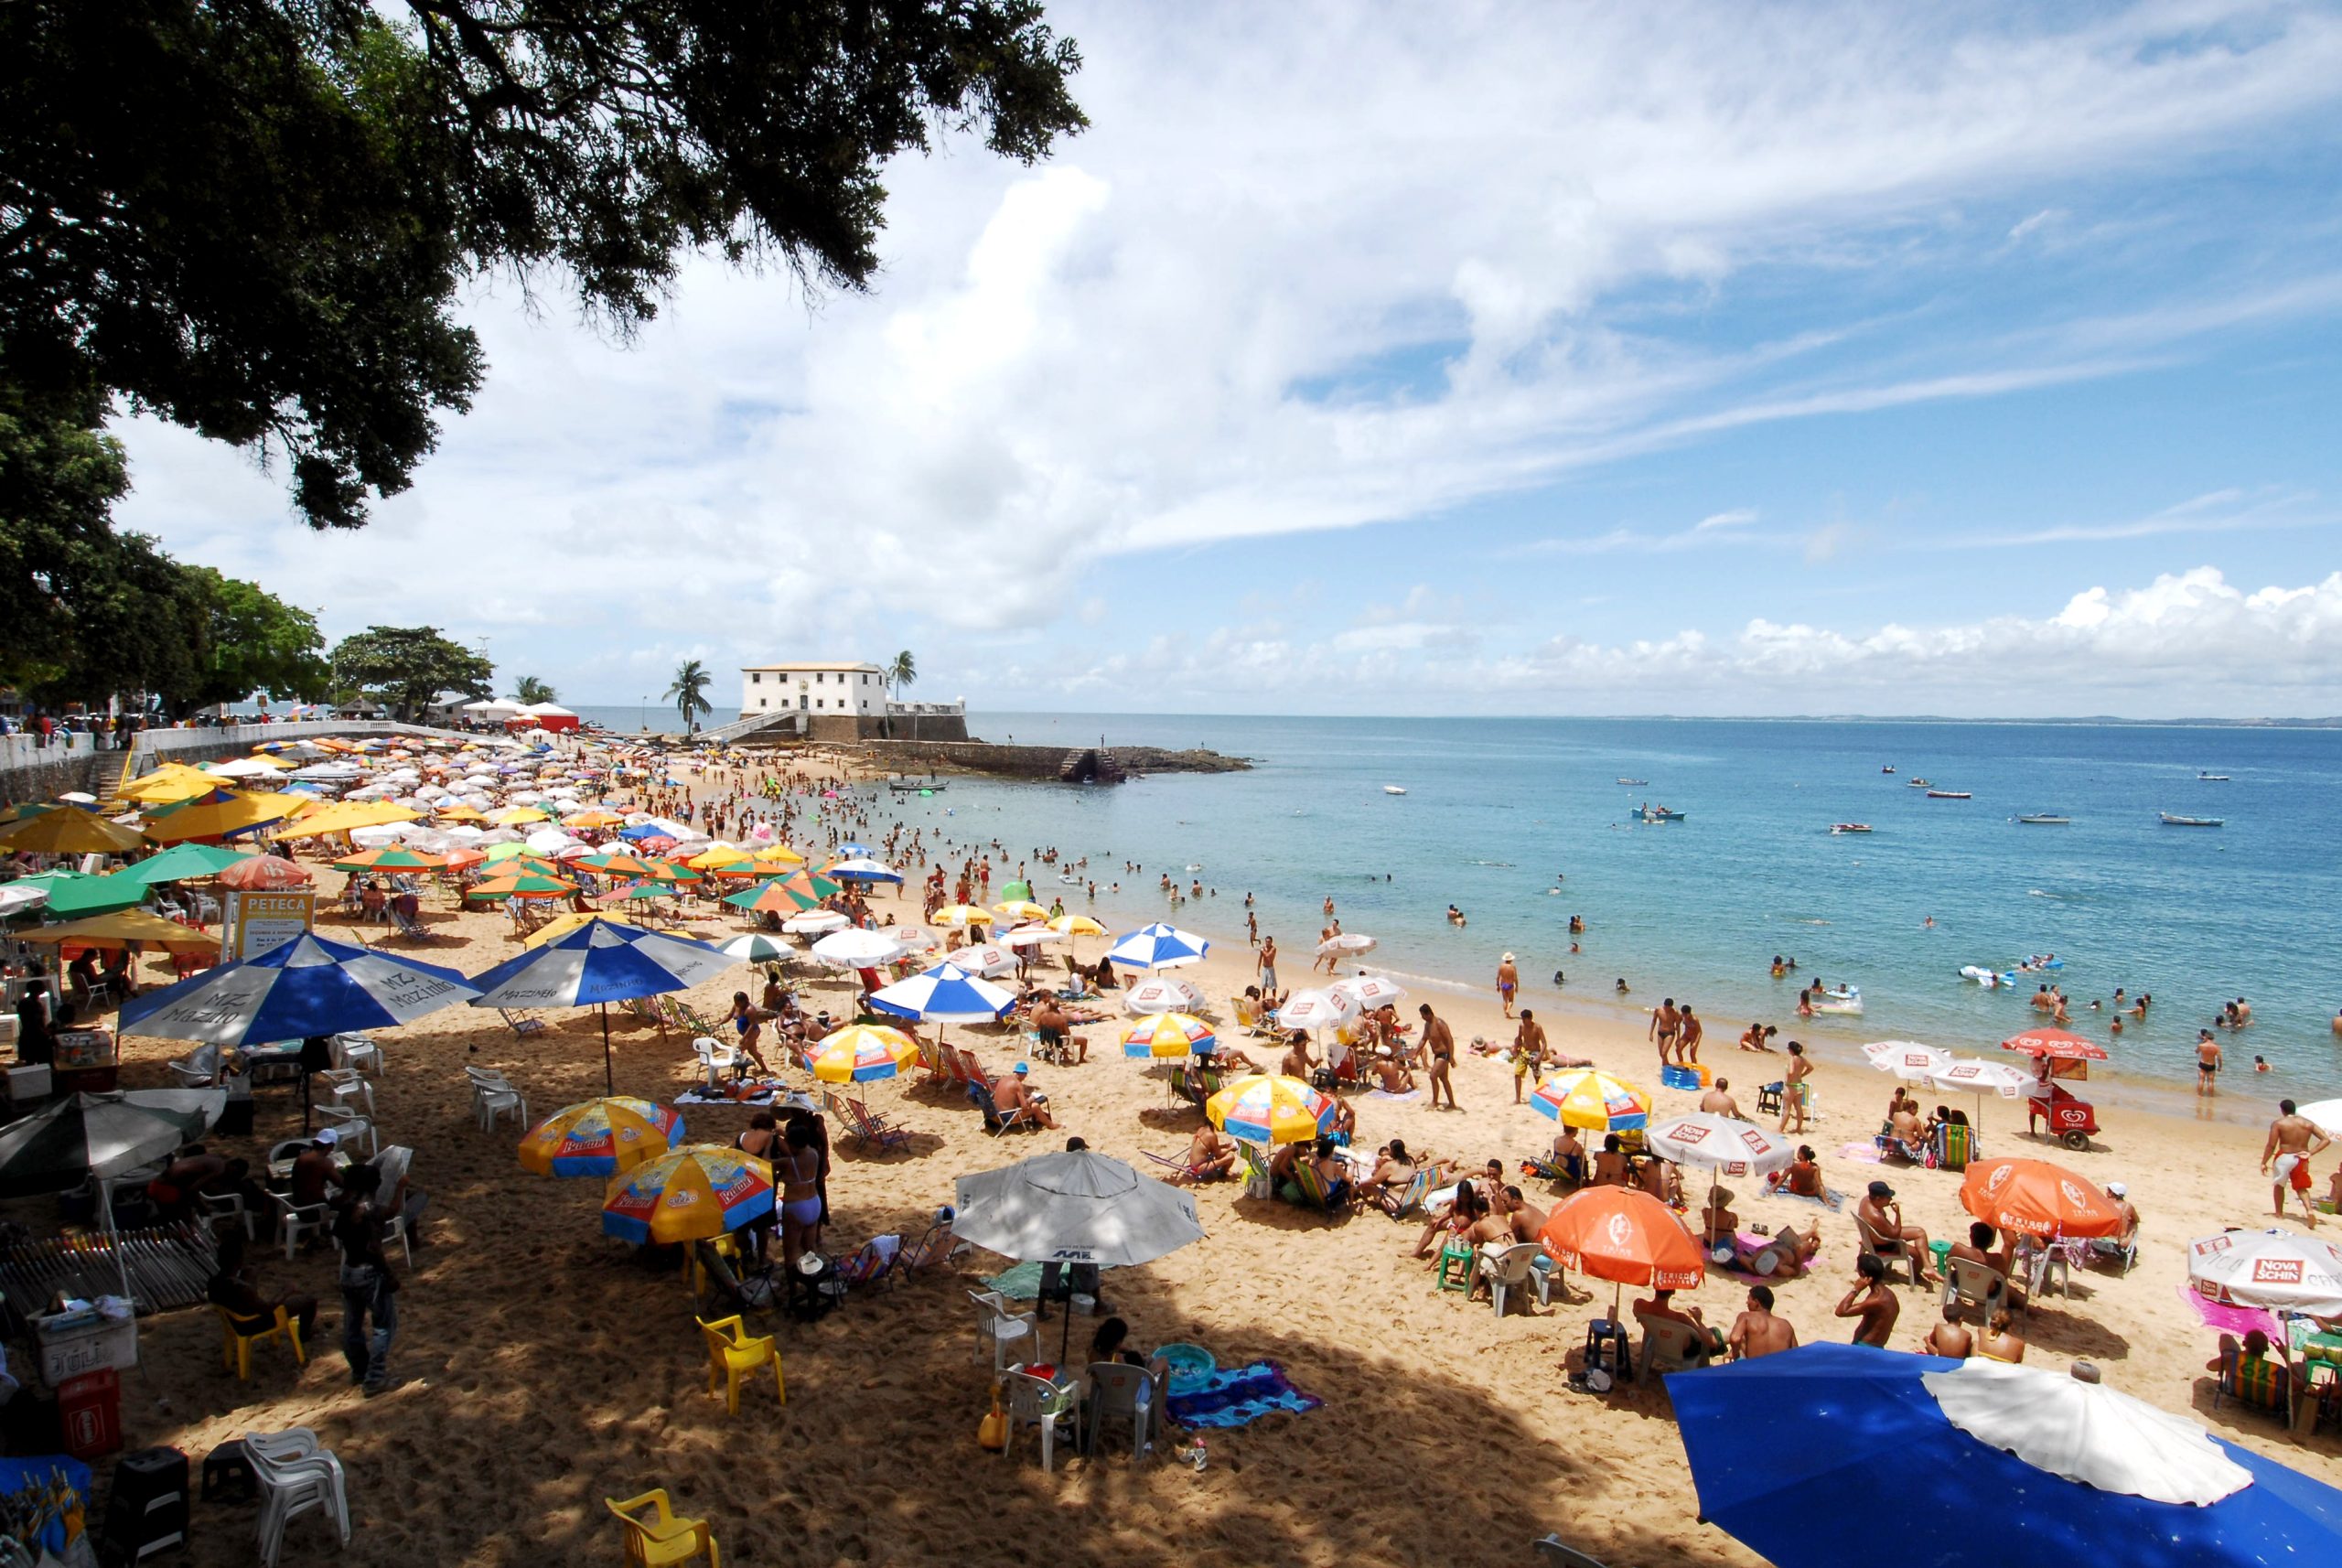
866 1128
521 1022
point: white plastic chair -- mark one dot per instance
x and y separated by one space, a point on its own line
1037 1401
349 1126
296 1476
493 1095
229 1206
1515 1268
997 1330
347 1086
1119 1392
358 1053
190 1076
296 1221
716 1057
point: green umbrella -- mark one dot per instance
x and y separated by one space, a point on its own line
182 863
773 897
73 895
645 890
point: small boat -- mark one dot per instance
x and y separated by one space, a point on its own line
1848 999
2212 777
1657 814
1634 783
1392 790
2044 819
1849 827
1916 783
1889 769
2170 821
1949 795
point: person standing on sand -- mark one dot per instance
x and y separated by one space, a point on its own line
1508 981
1793 1086
1687 1041
1267 964
1439 1048
2293 1139
1528 1052
2207 1062
1664 1023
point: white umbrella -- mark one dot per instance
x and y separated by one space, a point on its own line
1029 936
1980 1077
812 920
1369 990
2326 1116
1162 993
857 949
984 958
2088 1433
1722 1144
1906 1059
1315 1010
1348 942
2280 1270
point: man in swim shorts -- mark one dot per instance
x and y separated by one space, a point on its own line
2293 1139
2208 1061
1528 1052
1665 1022
1508 981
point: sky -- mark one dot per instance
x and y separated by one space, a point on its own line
1395 360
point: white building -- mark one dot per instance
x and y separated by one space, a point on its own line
813 687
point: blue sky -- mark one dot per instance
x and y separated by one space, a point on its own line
1490 359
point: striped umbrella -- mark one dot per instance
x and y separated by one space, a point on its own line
307 986
962 915
1020 910
1157 946
1268 1108
600 962
1590 1097
756 947
772 898
688 1195
858 870
520 884
1168 1034
391 857
618 862
859 1053
944 994
600 1137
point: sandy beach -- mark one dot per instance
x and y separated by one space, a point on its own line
542 1370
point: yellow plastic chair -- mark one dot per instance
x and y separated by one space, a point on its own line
662 1537
236 1347
733 1353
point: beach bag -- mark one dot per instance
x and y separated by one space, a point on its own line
992 1431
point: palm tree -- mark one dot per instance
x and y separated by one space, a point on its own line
689 693
902 673
528 691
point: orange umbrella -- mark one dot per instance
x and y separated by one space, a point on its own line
468 855
267 873
2034 1198
2054 1043
1625 1236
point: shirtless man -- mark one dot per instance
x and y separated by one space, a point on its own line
2207 1062
1757 1332
2293 1139
1793 1079
1949 1338
1870 1302
1054 1024
1879 1211
1687 1045
1661 1307
1666 1023
1508 983
1439 1048
1528 1052
1718 1102
1395 1080
1758 1037
1016 1092
1297 1060
1267 965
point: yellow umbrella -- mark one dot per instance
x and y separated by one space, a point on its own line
344 815
724 854
1077 926
461 814
70 830
779 853
1592 1099
1270 1108
860 1052
962 915
593 818
513 816
124 927
172 782
1021 909
216 819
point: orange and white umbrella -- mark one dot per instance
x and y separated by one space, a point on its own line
2034 1198
1624 1235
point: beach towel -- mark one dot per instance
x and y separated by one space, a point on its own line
1867 1154
1238 1396
702 1097
2237 1320
1831 1198
1022 1283
1386 1094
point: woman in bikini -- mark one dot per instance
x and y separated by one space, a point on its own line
797 1168
761 1138
750 1021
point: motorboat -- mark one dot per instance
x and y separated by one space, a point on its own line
1392 790
2212 777
1949 795
1634 783
2170 821
1849 827
2044 819
1916 783
1846 999
1889 769
1657 814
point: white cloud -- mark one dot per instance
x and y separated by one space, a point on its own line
1428 211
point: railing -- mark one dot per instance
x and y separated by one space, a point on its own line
25 750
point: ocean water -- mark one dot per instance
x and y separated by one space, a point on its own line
1521 824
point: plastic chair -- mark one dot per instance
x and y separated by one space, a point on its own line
1890 1250
346 1085
1515 1268
236 1345
1672 1347
715 1057
229 1206
1969 1284
662 1537
1037 1401
349 1125
1119 1392
295 1220
998 1328
493 1095
733 1353
358 1053
296 1476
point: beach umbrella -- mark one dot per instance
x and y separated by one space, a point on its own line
182 863
1158 946
721 855
2279 1270
70 830
944 994
1029 936
2034 1198
459 812
304 987
16 898
2054 1043
755 948
511 883
124 929
962 915
773 897
1369 990
1979 1078
599 963
600 1137
859 1053
393 858
1019 909
69 894
1722 1144
1077 926
814 921
1270 1108
779 855
857 949
266 873
1624 1235
862 870
1347 942
619 863
639 890
592 817
349 814
1906 1059
674 872
104 1136
1162 993
1592 1099
1315 1009
1167 1035
983 959
2098 1476
2326 1116
690 1194
516 816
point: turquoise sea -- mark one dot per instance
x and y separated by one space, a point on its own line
1521 824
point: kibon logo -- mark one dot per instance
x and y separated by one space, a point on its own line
1999 1178
2073 1194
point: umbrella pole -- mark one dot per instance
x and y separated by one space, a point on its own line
608 1084
113 1237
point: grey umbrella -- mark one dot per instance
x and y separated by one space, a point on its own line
102 1135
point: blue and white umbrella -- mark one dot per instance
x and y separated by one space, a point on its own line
851 848
1158 946
861 871
600 962
304 987
944 994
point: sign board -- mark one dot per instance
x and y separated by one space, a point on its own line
256 922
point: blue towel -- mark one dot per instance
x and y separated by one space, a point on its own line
1238 1396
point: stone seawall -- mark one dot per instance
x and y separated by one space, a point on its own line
1075 765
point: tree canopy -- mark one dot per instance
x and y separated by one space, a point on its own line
689 692
408 666
252 216
528 691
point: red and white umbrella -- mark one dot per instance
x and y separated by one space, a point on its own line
1348 942
1906 1059
1315 1010
1369 990
2280 1270
1028 937
1728 1146
1162 993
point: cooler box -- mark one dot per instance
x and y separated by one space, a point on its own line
90 1409
1694 1076
72 1344
27 1084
